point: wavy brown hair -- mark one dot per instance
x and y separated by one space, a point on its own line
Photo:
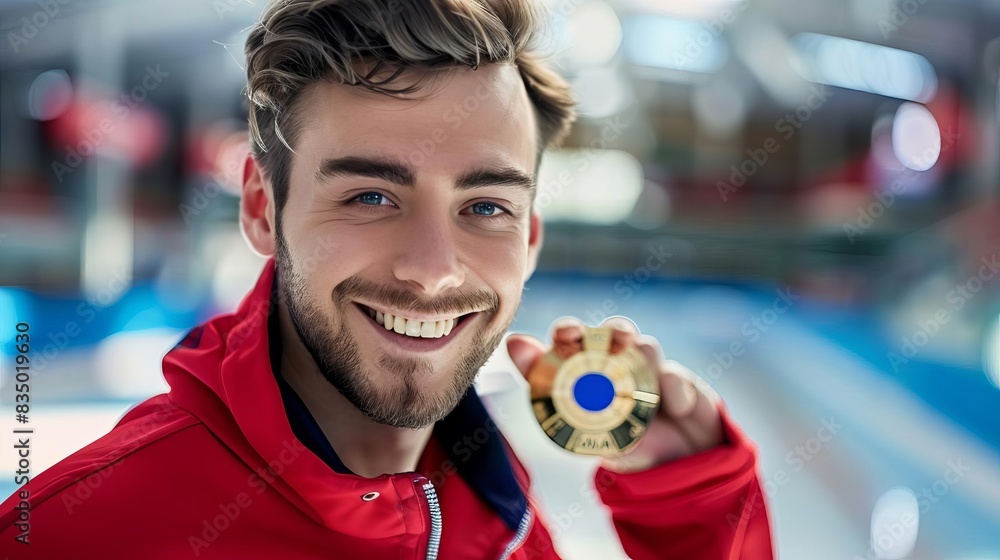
369 43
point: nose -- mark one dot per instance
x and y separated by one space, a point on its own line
428 258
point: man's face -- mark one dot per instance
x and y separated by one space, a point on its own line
417 208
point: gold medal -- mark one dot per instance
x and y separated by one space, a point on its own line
590 401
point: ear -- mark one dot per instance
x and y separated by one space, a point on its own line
257 209
534 243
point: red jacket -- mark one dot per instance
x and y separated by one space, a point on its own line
213 469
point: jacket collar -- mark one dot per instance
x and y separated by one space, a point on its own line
227 359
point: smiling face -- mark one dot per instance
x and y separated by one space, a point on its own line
406 237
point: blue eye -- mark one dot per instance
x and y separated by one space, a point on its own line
370 198
484 208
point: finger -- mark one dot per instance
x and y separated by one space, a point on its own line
651 348
567 336
699 383
624 333
524 351
698 418
678 395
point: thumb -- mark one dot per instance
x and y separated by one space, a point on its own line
524 351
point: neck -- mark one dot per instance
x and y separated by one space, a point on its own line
367 448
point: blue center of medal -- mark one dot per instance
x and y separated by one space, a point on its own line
593 392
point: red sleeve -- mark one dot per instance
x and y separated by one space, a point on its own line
707 506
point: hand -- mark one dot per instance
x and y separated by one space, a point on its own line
688 419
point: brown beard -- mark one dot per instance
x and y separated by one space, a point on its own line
401 402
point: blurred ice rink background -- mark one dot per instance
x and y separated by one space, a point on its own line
797 197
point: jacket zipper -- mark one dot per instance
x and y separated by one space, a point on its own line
434 542
522 533
435 511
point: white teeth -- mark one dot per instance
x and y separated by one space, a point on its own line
412 327
427 329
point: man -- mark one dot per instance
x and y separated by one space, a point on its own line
392 182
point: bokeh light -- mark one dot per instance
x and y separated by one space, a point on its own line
673 44
593 34
50 94
589 186
916 138
895 524
868 67
991 352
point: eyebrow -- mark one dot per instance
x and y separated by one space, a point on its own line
505 176
386 170
403 175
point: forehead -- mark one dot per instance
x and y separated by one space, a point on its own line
458 118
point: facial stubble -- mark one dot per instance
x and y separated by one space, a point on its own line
395 395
